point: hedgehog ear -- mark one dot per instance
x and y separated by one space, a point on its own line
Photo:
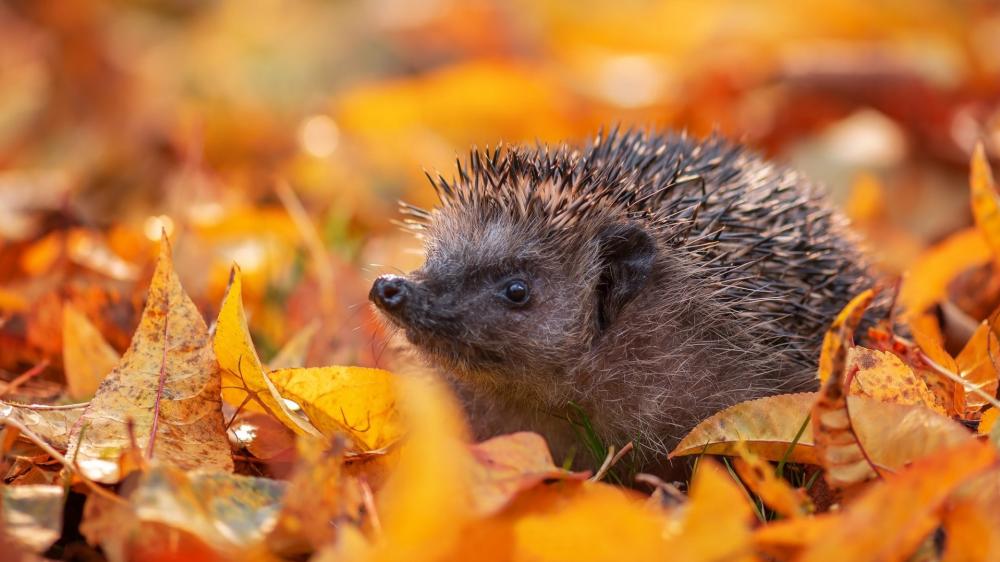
627 253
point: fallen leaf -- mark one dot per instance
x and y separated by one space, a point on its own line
167 384
928 278
893 434
87 356
51 423
977 366
840 453
883 376
785 539
228 514
244 382
988 421
891 518
509 464
426 503
984 199
354 401
759 477
32 514
715 524
320 500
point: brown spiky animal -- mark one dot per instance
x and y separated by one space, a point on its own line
647 281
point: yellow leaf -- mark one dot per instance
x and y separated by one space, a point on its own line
928 278
883 376
984 199
166 385
716 521
892 518
87 356
244 383
426 502
767 425
584 522
357 402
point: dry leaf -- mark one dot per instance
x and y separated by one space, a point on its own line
244 382
715 524
87 356
883 376
51 423
759 477
988 421
509 464
838 449
892 518
984 199
928 279
357 402
221 514
167 384
32 514
977 366
320 500
784 539
893 434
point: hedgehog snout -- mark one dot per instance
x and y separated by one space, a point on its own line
390 293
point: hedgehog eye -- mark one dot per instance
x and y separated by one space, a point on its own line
516 291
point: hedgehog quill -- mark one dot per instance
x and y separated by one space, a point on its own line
646 279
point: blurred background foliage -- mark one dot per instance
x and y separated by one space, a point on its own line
281 134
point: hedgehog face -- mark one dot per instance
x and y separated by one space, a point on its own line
512 302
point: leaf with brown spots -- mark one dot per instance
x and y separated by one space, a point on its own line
883 376
167 385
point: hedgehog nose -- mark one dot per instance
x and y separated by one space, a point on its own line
389 292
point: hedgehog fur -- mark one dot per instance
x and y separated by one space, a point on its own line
669 278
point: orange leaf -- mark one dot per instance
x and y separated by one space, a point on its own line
883 376
892 518
928 279
976 365
988 421
759 476
509 464
984 199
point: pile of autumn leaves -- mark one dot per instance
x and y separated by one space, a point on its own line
384 471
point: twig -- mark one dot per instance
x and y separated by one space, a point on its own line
942 370
610 461
24 377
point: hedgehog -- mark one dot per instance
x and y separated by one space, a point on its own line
635 285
